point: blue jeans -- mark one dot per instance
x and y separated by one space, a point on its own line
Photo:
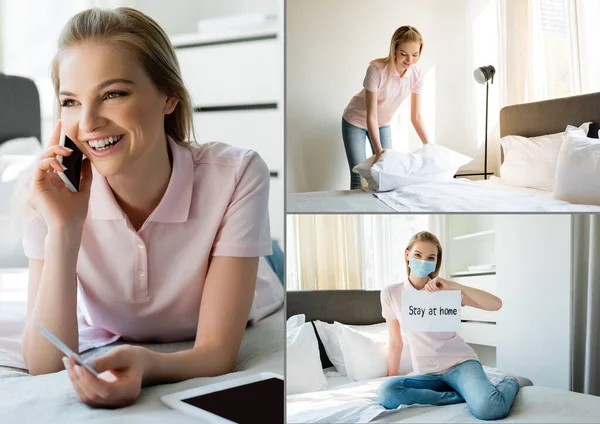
354 143
465 382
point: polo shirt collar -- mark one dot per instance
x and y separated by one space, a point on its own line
175 203
396 74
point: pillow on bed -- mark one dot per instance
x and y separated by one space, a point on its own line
365 354
304 372
578 169
531 162
330 335
394 169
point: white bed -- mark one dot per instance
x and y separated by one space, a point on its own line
51 398
356 402
344 400
528 121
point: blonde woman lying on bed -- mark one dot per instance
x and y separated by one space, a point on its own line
448 370
162 242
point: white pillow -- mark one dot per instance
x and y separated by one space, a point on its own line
395 169
365 354
531 162
304 371
578 169
330 336
29 146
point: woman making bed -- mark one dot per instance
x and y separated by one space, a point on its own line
162 241
387 83
447 369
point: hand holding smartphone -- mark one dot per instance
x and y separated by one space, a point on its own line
72 175
65 349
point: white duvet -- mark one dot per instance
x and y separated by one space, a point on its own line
51 399
357 403
349 403
461 195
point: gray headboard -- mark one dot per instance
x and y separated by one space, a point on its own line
551 116
19 109
353 307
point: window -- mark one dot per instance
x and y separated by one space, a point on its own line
360 252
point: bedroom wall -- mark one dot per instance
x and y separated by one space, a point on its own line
329 45
182 23
534 283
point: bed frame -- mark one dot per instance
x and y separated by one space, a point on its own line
352 307
20 114
551 116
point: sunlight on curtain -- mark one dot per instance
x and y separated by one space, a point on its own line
365 252
549 49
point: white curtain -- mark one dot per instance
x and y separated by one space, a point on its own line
548 49
366 252
586 305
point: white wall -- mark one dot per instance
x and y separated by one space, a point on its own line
181 16
328 47
534 283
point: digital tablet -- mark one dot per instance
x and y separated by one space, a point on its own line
256 398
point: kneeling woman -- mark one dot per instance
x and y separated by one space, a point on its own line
447 369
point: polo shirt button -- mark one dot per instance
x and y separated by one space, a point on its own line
140 245
141 273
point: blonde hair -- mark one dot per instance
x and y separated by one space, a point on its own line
401 35
142 36
428 237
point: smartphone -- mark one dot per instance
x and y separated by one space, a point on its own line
73 162
65 349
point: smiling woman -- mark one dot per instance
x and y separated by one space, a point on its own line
162 241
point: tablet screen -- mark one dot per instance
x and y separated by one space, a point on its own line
258 402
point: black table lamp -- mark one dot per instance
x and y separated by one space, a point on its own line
483 75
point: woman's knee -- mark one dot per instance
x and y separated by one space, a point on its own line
389 393
489 409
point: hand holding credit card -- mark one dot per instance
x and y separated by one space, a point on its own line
65 349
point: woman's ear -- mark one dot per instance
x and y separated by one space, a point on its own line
170 105
406 254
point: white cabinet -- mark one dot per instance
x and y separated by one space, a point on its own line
471 261
534 283
236 85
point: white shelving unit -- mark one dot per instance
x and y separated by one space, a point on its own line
471 242
235 80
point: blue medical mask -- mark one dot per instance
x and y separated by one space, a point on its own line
421 268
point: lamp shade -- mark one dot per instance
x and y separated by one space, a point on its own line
484 74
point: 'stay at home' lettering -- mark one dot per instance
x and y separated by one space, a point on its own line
412 310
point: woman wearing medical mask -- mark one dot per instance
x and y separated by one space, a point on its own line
388 82
447 370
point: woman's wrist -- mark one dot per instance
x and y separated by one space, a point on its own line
64 239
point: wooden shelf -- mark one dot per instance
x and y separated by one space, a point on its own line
472 235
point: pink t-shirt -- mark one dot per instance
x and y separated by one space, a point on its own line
146 286
390 93
430 352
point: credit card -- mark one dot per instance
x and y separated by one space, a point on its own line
65 349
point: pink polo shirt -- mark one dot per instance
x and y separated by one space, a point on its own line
430 352
146 286
390 93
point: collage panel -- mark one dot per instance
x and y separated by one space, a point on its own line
142 211
442 318
462 106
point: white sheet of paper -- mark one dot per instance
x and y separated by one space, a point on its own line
423 311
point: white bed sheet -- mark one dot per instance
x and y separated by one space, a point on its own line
461 195
51 398
334 379
357 403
